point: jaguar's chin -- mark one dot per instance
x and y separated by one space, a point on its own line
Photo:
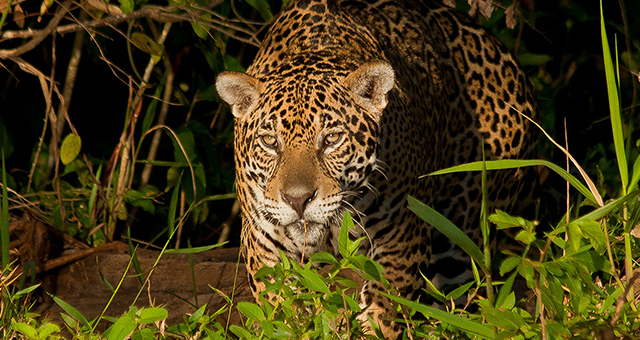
307 232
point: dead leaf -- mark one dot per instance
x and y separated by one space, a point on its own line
511 15
635 232
486 7
450 3
18 16
474 7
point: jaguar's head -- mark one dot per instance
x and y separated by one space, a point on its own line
305 143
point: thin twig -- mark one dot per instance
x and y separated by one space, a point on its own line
543 321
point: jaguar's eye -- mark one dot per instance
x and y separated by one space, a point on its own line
332 138
269 141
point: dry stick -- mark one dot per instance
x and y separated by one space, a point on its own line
70 79
226 225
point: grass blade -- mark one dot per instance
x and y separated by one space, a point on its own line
193 250
4 220
614 107
446 227
511 164
74 313
603 211
467 325
636 175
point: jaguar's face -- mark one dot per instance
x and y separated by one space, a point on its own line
306 144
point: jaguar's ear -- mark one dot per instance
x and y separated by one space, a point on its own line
239 90
371 83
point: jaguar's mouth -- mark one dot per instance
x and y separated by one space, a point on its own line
306 232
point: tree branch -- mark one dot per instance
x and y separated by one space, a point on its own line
156 13
37 38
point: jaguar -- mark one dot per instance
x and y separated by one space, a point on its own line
346 105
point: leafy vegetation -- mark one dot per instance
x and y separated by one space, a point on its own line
117 156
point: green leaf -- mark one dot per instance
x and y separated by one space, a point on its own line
592 230
464 324
448 229
526 237
198 313
72 312
201 31
614 106
71 322
507 320
505 295
285 260
143 334
28 330
70 148
263 8
47 329
456 293
240 332
503 221
24 291
525 269
610 299
173 176
153 314
251 310
323 257
312 281
343 237
574 235
509 264
533 59
122 328
146 44
127 6
140 200
373 270
432 290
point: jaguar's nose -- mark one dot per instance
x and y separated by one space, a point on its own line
299 201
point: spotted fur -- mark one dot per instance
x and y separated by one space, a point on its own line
347 103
